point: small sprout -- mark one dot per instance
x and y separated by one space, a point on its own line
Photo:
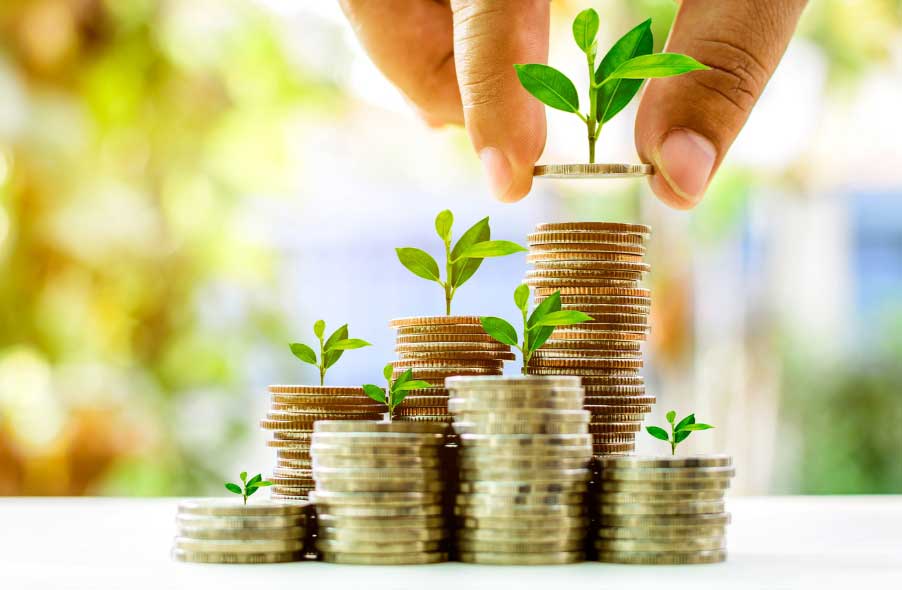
537 328
397 389
250 485
461 261
329 351
613 83
679 431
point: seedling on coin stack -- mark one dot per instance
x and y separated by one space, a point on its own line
679 431
397 388
330 350
249 487
613 82
537 328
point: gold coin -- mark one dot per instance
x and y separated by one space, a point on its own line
658 558
436 376
206 522
424 432
300 436
381 511
316 389
625 391
504 383
223 507
550 558
350 411
446 364
558 283
589 348
443 418
322 402
427 339
302 487
287 477
668 462
305 424
512 511
582 237
656 497
623 300
532 453
396 534
609 338
586 363
524 522
385 547
457 404
530 415
383 558
667 474
602 308
458 357
347 484
598 276
605 291
582 372
376 462
436 320
378 523
677 533
238 545
294 463
615 381
522 547
633 401
595 226
614 438
439 347
381 499
603 448
522 535
403 411
659 520
288 498
476 427
289 444
232 534
435 400
686 485
601 410
659 508
535 257
535 463
439 331
507 473
269 557
519 499
591 266
662 545
525 440
376 473
397 448
606 331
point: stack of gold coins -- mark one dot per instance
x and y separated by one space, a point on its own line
379 492
597 268
663 510
293 411
226 531
524 455
438 347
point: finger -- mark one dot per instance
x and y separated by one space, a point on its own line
506 125
410 41
686 124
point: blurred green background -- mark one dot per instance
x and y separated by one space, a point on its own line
186 186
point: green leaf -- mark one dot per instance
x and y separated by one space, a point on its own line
348 344
402 379
255 479
655 65
234 488
585 28
331 357
490 248
521 297
387 371
500 330
397 397
538 337
303 352
443 223
671 416
657 432
615 95
243 475
463 269
549 85
419 263
319 327
374 392
695 427
260 484
567 317
413 384
548 305
690 419
680 436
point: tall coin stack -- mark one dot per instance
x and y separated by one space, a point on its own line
379 492
597 268
224 531
293 411
663 510
524 455
438 347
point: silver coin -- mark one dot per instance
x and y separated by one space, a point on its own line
232 534
496 558
269 557
378 536
384 546
384 558
662 545
228 507
381 499
238 522
238 545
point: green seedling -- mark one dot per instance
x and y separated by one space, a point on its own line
397 389
462 260
249 487
613 82
537 328
330 350
679 431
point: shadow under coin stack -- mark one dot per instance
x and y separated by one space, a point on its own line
293 411
597 268
524 456
379 492
438 347
663 510
225 531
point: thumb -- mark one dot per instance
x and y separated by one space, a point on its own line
506 125
686 124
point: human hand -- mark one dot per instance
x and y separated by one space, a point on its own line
454 62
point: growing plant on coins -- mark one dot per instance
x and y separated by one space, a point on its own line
249 487
330 350
537 328
397 389
679 431
613 83
462 260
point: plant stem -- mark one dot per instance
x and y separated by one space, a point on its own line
591 120
449 293
673 442
525 350
322 366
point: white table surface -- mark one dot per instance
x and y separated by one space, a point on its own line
774 542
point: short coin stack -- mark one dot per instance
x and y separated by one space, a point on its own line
597 268
663 510
225 531
293 411
436 347
524 455
379 492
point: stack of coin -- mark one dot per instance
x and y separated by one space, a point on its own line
438 347
662 510
524 455
379 492
225 531
293 411
597 268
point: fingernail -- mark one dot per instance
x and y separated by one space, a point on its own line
498 169
686 159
